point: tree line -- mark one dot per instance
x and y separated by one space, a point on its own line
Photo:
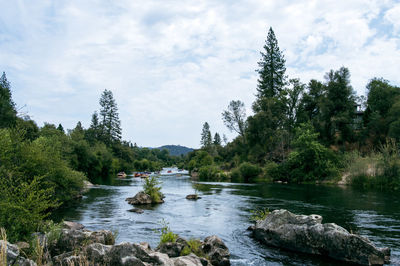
306 132
43 168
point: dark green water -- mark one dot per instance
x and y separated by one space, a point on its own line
224 210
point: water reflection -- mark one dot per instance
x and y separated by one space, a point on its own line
224 210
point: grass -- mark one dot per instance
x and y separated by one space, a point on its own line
3 250
194 246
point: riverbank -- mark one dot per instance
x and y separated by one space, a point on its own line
73 244
224 210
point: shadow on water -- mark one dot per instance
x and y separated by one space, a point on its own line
224 210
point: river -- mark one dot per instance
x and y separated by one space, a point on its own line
224 210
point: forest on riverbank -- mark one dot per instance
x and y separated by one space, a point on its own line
306 133
42 168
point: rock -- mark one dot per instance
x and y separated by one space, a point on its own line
189 260
13 255
137 210
307 234
22 245
97 253
71 239
139 199
86 186
172 249
193 197
72 225
216 250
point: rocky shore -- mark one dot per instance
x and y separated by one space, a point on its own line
306 233
79 246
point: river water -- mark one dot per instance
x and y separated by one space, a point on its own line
224 210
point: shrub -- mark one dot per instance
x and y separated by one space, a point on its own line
166 234
23 206
211 173
258 215
249 171
194 246
310 161
151 188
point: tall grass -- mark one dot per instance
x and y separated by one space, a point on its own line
3 250
379 170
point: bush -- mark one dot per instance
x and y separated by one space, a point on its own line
23 206
211 173
249 171
310 161
166 234
258 215
151 188
194 246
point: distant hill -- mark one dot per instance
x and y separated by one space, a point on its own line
176 150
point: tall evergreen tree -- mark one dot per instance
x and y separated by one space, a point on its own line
110 124
272 68
339 107
8 114
206 139
217 139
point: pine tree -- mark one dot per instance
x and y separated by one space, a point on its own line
217 139
339 107
272 68
206 139
110 124
8 114
60 128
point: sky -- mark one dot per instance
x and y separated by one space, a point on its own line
173 65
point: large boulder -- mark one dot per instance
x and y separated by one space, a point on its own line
139 199
73 239
307 234
172 249
216 251
189 260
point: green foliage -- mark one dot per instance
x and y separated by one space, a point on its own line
211 173
206 139
235 117
23 205
258 215
249 171
152 188
8 114
310 161
166 234
201 158
110 125
272 68
193 246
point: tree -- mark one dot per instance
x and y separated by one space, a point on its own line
206 138
339 106
272 68
8 114
293 103
93 133
110 123
217 139
61 128
235 117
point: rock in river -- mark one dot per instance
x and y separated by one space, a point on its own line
307 234
142 198
193 197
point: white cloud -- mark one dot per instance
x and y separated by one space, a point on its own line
173 65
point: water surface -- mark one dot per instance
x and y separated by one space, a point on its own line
224 210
